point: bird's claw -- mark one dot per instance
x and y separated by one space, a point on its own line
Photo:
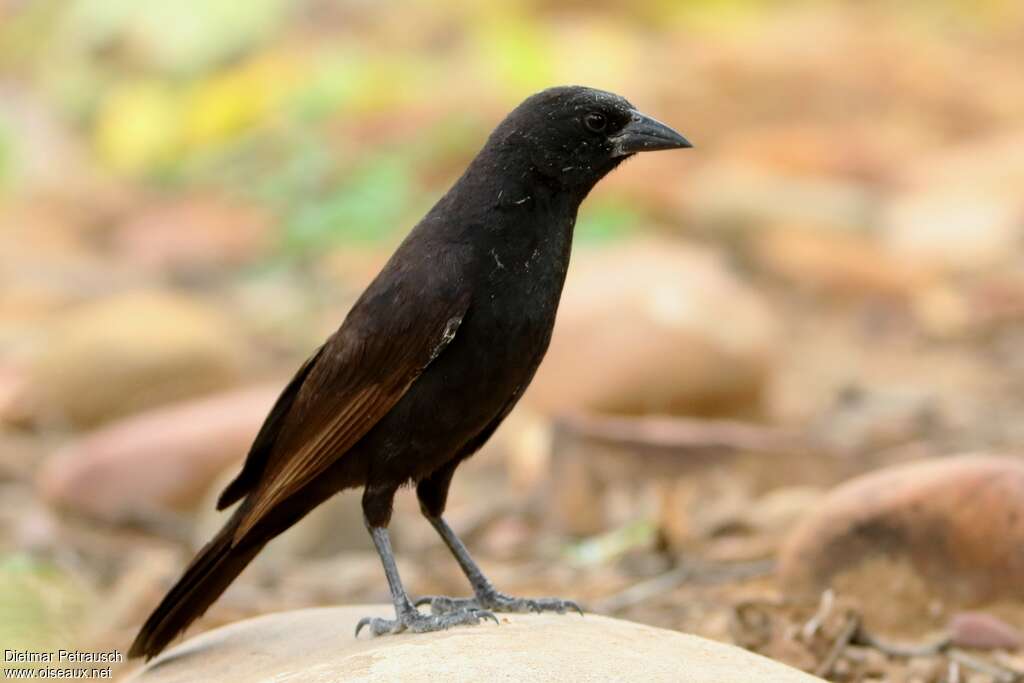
498 602
365 621
417 622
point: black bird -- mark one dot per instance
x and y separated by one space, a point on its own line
429 360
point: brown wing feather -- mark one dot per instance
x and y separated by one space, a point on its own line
354 382
262 446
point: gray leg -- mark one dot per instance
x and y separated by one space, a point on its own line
407 617
487 597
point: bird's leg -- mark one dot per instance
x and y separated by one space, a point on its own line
407 617
432 493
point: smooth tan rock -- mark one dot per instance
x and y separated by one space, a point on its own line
813 149
640 331
316 645
842 264
733 196
46 264
942 532
983 631
193 234
160 459
335 525
132 351
957 230
993 163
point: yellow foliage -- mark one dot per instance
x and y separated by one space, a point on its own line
137 126
513 49
227 103
143 124
386 83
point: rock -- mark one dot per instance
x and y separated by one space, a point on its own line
132 351
317 644
193 234
730 196
46 264
13 401
779 510
697 473
982 632
158 460
994 163
946 532
639 331
809 149
334 526
340 579
20 454
837 263
956 230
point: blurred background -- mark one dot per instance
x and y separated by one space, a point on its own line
829 287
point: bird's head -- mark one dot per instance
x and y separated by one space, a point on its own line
575 135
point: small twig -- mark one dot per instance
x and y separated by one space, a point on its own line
842 640
679 434
673 444
958 658
1006 662
926 649
733 571
644 591
661 584
1001 673
813 625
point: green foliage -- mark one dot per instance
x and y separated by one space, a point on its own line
603 548
516 51
605 220
40 606
366 205
6 157
334 82
176 37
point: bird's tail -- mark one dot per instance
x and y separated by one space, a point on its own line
210 573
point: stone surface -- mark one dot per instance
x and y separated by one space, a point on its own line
192 234
982 631
317 645
993 162
335 525
960 230
733 196
132 351
941 532
639 331
160 459
836 263
46 264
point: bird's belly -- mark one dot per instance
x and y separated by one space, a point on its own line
477 379
493 365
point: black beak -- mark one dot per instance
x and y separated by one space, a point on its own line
644 134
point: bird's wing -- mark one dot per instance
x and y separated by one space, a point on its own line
263 444
354 380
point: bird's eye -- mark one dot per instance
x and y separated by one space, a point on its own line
595 122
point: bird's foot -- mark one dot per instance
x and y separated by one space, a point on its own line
415 621
497 602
